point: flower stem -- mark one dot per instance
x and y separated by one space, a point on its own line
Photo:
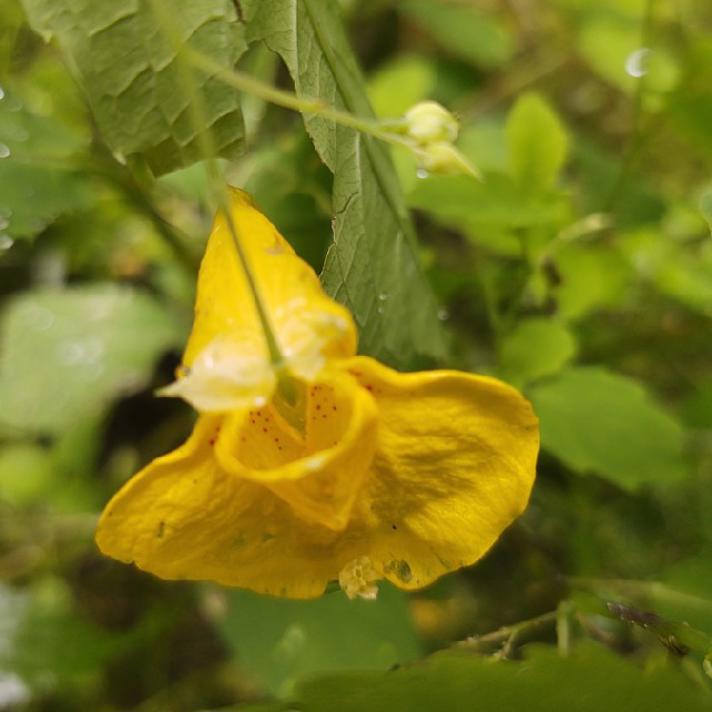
245 82
217 184
508 634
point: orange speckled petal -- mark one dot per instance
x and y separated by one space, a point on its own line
319 473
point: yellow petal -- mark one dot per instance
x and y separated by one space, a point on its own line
309 326
455 464
320 472
185 517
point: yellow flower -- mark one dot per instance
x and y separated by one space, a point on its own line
327 466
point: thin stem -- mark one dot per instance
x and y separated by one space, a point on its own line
245 82
205 140
507 635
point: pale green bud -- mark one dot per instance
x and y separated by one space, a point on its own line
443 158
429 121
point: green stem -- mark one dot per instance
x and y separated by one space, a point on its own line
508 635
204 137
245 82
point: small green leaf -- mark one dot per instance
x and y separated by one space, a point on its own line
66 353
400 84
129 69
591 277
487 212
278 640
463 30
537 142
537 347
598 421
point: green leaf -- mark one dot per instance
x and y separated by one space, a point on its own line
591 277
590 680
537 143
373 265
705 206
38 181
463 30
129 70
278 640
400 84
66 353
25 473
537 347
487 212
598 421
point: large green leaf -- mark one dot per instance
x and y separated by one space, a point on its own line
590 680
65 353
373 266
278 640
602 422
127 64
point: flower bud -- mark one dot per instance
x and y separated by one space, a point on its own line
442 158
428 121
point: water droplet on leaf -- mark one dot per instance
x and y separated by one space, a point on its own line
636 65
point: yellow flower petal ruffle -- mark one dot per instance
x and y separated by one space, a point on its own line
455 465
307 323
184 517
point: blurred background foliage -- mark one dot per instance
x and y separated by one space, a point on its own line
579 269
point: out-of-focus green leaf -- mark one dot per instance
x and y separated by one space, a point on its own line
52 645
591 277
26 473
706 206
37 178
400 84
598 421
463 30
683 273
537 347
697 408
537 142
590 680
373 264
488 211
66 353
279 640
127 64
485 144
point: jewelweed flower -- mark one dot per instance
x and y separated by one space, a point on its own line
325 465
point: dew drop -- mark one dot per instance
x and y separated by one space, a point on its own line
2 93
422 173
637 61
4 150
443 314
6 242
